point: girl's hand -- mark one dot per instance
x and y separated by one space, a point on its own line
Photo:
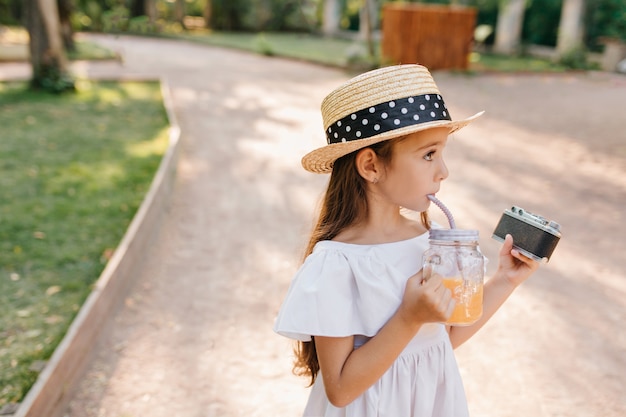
514 266
426 300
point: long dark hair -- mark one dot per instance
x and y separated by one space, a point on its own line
344 204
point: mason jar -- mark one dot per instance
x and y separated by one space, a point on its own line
455 256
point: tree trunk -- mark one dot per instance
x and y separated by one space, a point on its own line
180 12
207 14
366 24
47 55
65 14
571 27
151 10
332 16
509 26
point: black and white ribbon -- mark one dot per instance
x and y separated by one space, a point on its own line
388 116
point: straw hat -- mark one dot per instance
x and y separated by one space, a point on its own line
378 105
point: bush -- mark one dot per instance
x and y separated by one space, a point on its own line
262 45
141 24
51 78
88 17
258 15
358 58
577 59
604 18
116 19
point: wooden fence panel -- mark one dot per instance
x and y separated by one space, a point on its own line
438 37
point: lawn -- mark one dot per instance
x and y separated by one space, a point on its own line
14 47
333 51
326 51
74 168
342 52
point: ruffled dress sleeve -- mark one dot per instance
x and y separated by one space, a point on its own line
339 293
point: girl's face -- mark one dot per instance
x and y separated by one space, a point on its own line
416 169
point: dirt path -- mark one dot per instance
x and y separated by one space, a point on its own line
194 338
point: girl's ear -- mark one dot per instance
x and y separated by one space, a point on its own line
368 165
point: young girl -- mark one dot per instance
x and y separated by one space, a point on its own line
367 321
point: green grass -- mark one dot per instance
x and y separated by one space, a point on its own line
502 63
86 50
14 47
74 168
326 51
346 53
337 52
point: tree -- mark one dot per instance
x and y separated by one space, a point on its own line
367 19
332 16
228 14
179 12
151 10
571 28
65 14
509 26
47 55
207 13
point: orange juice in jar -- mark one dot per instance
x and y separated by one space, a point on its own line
469 301
454 255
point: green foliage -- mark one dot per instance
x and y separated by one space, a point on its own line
116 19
73 170
350 18
605 18
141 24
85 50
228 14
541 22
10 12
51 78
285 15
577 59
343 53
264 15
262 45
195 8
88 16
327 51
359 59
504 63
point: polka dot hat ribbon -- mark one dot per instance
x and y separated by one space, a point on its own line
387 116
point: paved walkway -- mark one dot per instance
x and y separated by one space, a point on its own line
194 338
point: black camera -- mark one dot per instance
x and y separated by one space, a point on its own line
533 235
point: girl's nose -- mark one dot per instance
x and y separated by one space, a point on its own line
443 171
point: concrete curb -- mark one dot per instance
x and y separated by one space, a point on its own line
52 391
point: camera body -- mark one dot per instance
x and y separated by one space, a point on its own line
533 235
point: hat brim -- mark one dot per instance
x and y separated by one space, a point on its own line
321 160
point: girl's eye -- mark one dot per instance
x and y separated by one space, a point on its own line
429 156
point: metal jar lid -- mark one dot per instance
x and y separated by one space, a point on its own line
454 235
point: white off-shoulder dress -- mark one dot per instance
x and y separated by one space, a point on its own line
353 290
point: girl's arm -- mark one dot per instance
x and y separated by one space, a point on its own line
514 268
348 372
